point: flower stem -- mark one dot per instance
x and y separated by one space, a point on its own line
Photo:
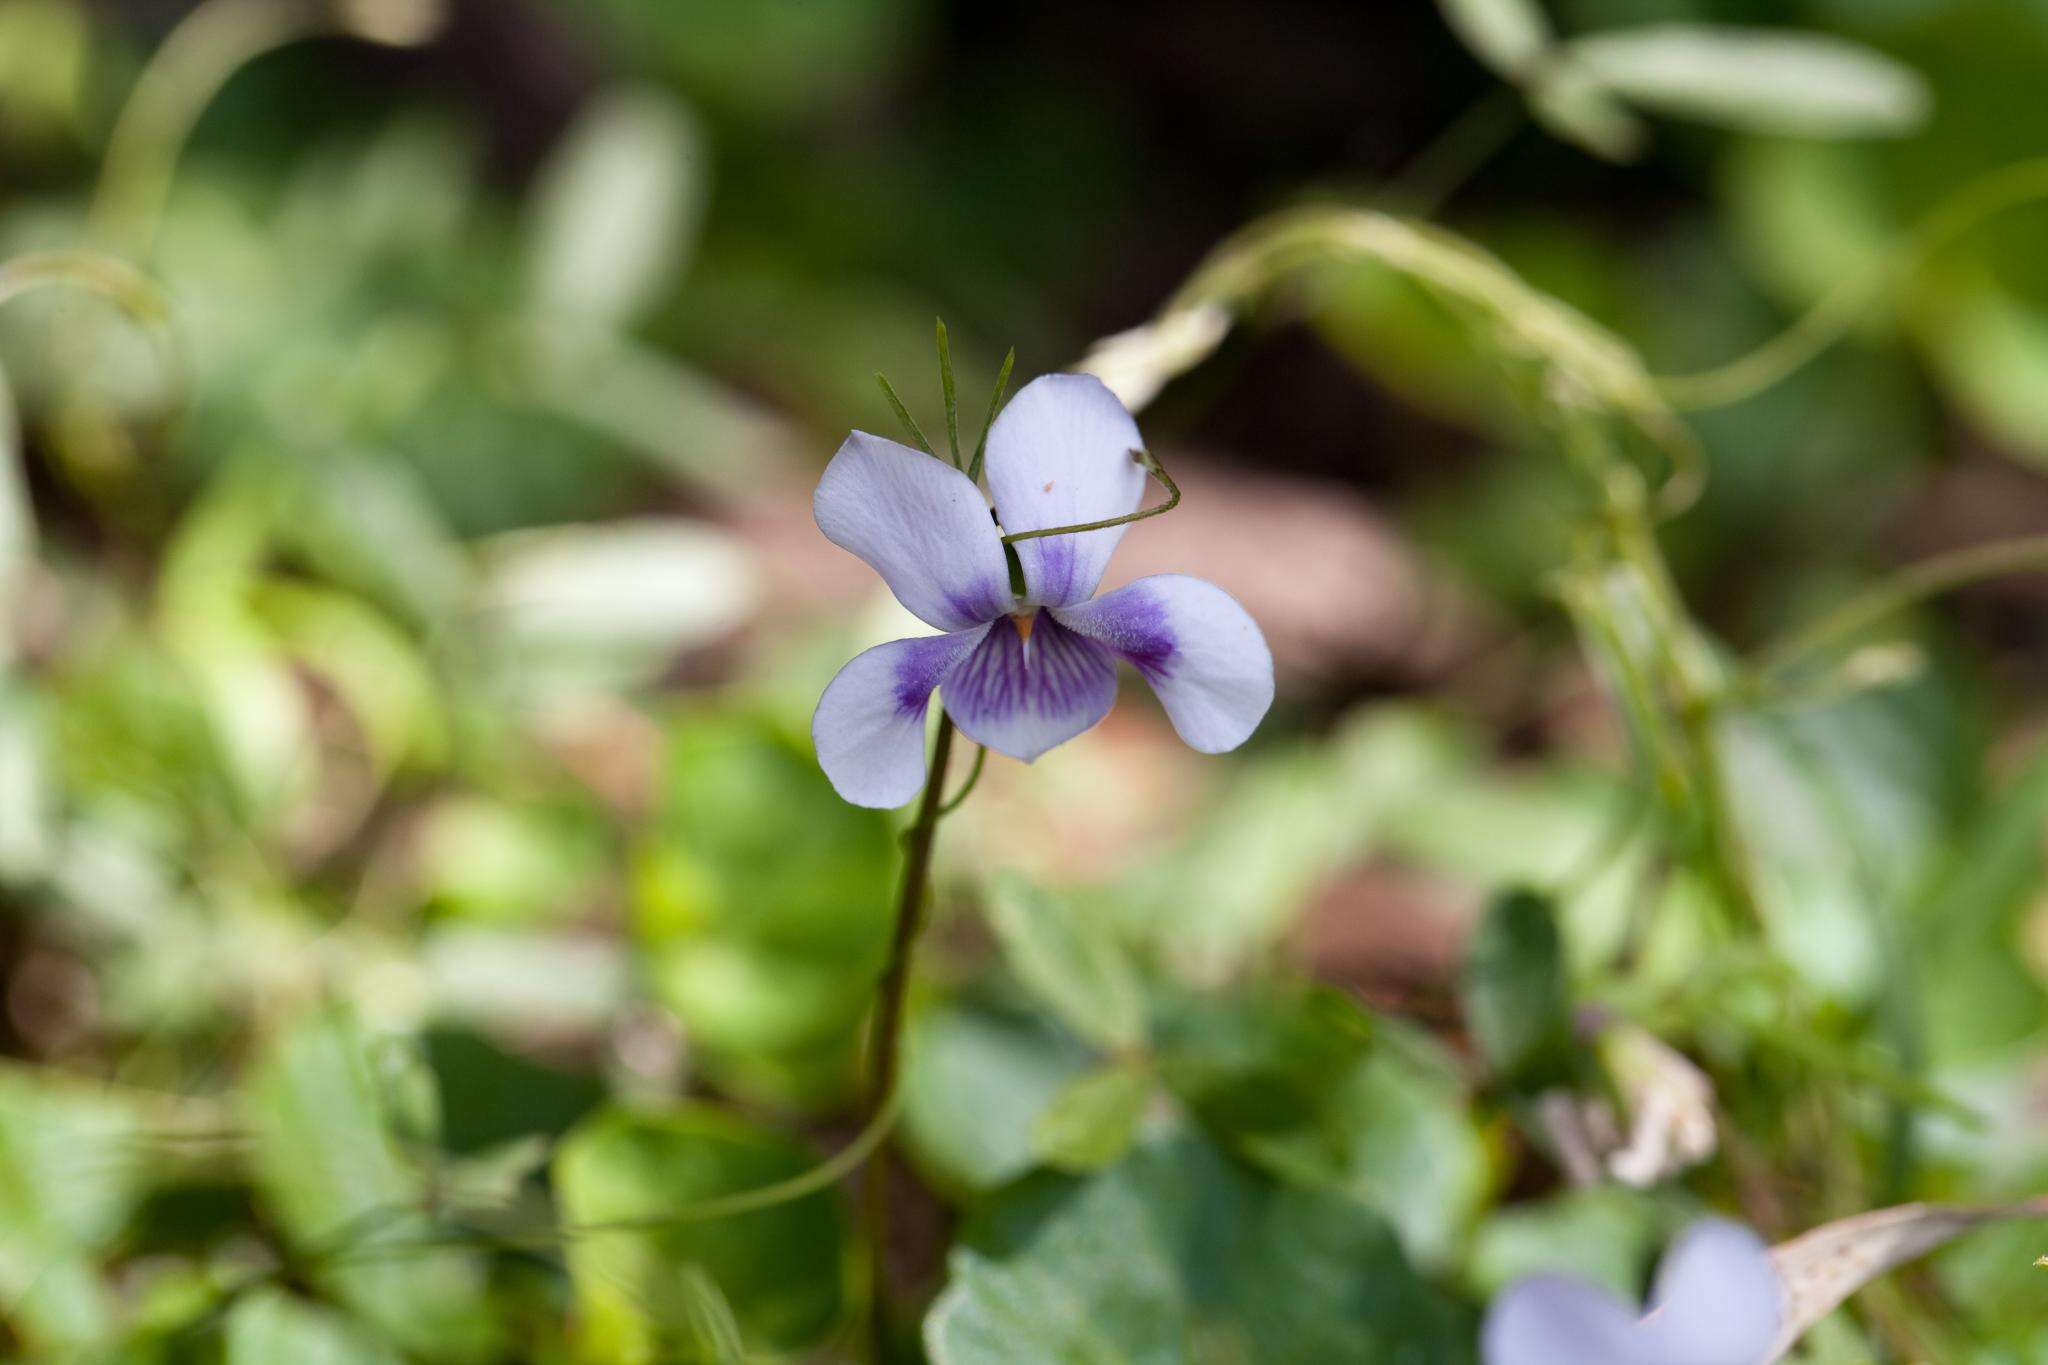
885 1043
1915 583
1455 154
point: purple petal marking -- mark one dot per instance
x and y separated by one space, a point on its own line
1717 1299
869 725
920 524
1022 697
1060 455
1200 650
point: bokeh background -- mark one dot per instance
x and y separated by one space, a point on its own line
410 845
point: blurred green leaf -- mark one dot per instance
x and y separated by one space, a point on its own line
1390 1127
1175 1254
1605 1235
769 61
1070 961
1578 107
494 860
1094 1120
662 1293
73 1163
1262 1065
17 524
329 1166
762 900
1968 928
368 522
607 606
1757 80
976 1076
1991 349
516 979
27 820
494 1177
1505 35
615 210
1290 819
1843 808
1516 997
269 1327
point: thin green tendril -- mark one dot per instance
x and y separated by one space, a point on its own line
1151 467
967 787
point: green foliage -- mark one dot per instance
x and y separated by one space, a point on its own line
418 896
762 903
270 1326
662 1286
1093 1121
1071 962
1516 996
332 1114
1174 1255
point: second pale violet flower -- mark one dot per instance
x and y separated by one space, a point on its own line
1020 674
1717 1301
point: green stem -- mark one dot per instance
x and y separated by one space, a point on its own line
187 72
967 787
1454 155
1828 320
1916 583
1152 467
885 1043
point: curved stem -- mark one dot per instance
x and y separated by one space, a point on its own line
1915 583
967 787
885 1043
182 78
1152 467
1454 155
1828 320
187 72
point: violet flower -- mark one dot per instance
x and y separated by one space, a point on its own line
1717 1301
1020 674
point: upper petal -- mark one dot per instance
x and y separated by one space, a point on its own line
869 725
921 524
1556 1320
1717 1299
1200 650
1023 697
1060 455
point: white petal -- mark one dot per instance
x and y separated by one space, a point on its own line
869 725
1200 650
1717 1299
1060 455
1556 1320
920 524
1023 697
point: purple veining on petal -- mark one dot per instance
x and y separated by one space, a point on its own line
1142 633
918 669
1052 571
1023 698
984 602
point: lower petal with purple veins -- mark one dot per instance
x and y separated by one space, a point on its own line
869 725
1200 650
1023 696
